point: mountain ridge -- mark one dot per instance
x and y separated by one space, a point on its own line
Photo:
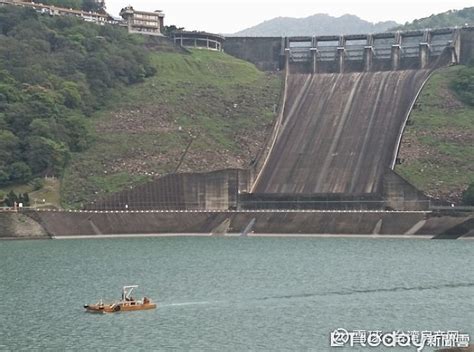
317 24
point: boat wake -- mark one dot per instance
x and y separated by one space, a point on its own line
180 304
323 294
375 290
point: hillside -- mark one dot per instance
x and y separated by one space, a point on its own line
202 111
438 145
319 24
84 5
54 74
446 19
90 109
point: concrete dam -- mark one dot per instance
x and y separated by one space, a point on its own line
346 102
344 105
327 167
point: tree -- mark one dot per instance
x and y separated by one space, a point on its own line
24 199
72 97
46 156
468 195
92 5
37 184
19 171
8 92
78 136
463 84
11 199
54 73
169 30
4 176
70 4
9 147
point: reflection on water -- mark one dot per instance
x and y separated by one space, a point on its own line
230 293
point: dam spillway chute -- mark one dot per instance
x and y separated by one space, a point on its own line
339 131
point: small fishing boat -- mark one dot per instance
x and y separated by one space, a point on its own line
126 304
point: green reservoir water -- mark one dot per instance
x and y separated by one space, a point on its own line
231 294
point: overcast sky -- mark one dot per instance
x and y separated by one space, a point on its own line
232 16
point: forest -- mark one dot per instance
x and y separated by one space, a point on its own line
55 73
446 19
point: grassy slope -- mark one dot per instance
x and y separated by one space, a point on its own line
438 149
46 197
222 105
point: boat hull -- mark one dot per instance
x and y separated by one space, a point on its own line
119 307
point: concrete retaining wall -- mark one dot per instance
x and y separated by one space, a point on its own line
210 190
369 223
400 194
264 52
467 45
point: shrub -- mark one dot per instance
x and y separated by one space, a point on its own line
468 195
37 184
463 84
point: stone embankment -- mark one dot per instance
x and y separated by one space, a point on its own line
20 226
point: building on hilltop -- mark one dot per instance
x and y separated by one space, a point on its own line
143 22
95 17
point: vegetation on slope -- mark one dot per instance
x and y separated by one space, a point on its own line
54 74
463 84
468 195
84 5
202 111
446 19
438 147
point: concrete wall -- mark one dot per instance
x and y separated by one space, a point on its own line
265 52
211 190
327 201
400 194
370 223
463 229
467 45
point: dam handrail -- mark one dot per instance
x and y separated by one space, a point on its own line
226 211
272 205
